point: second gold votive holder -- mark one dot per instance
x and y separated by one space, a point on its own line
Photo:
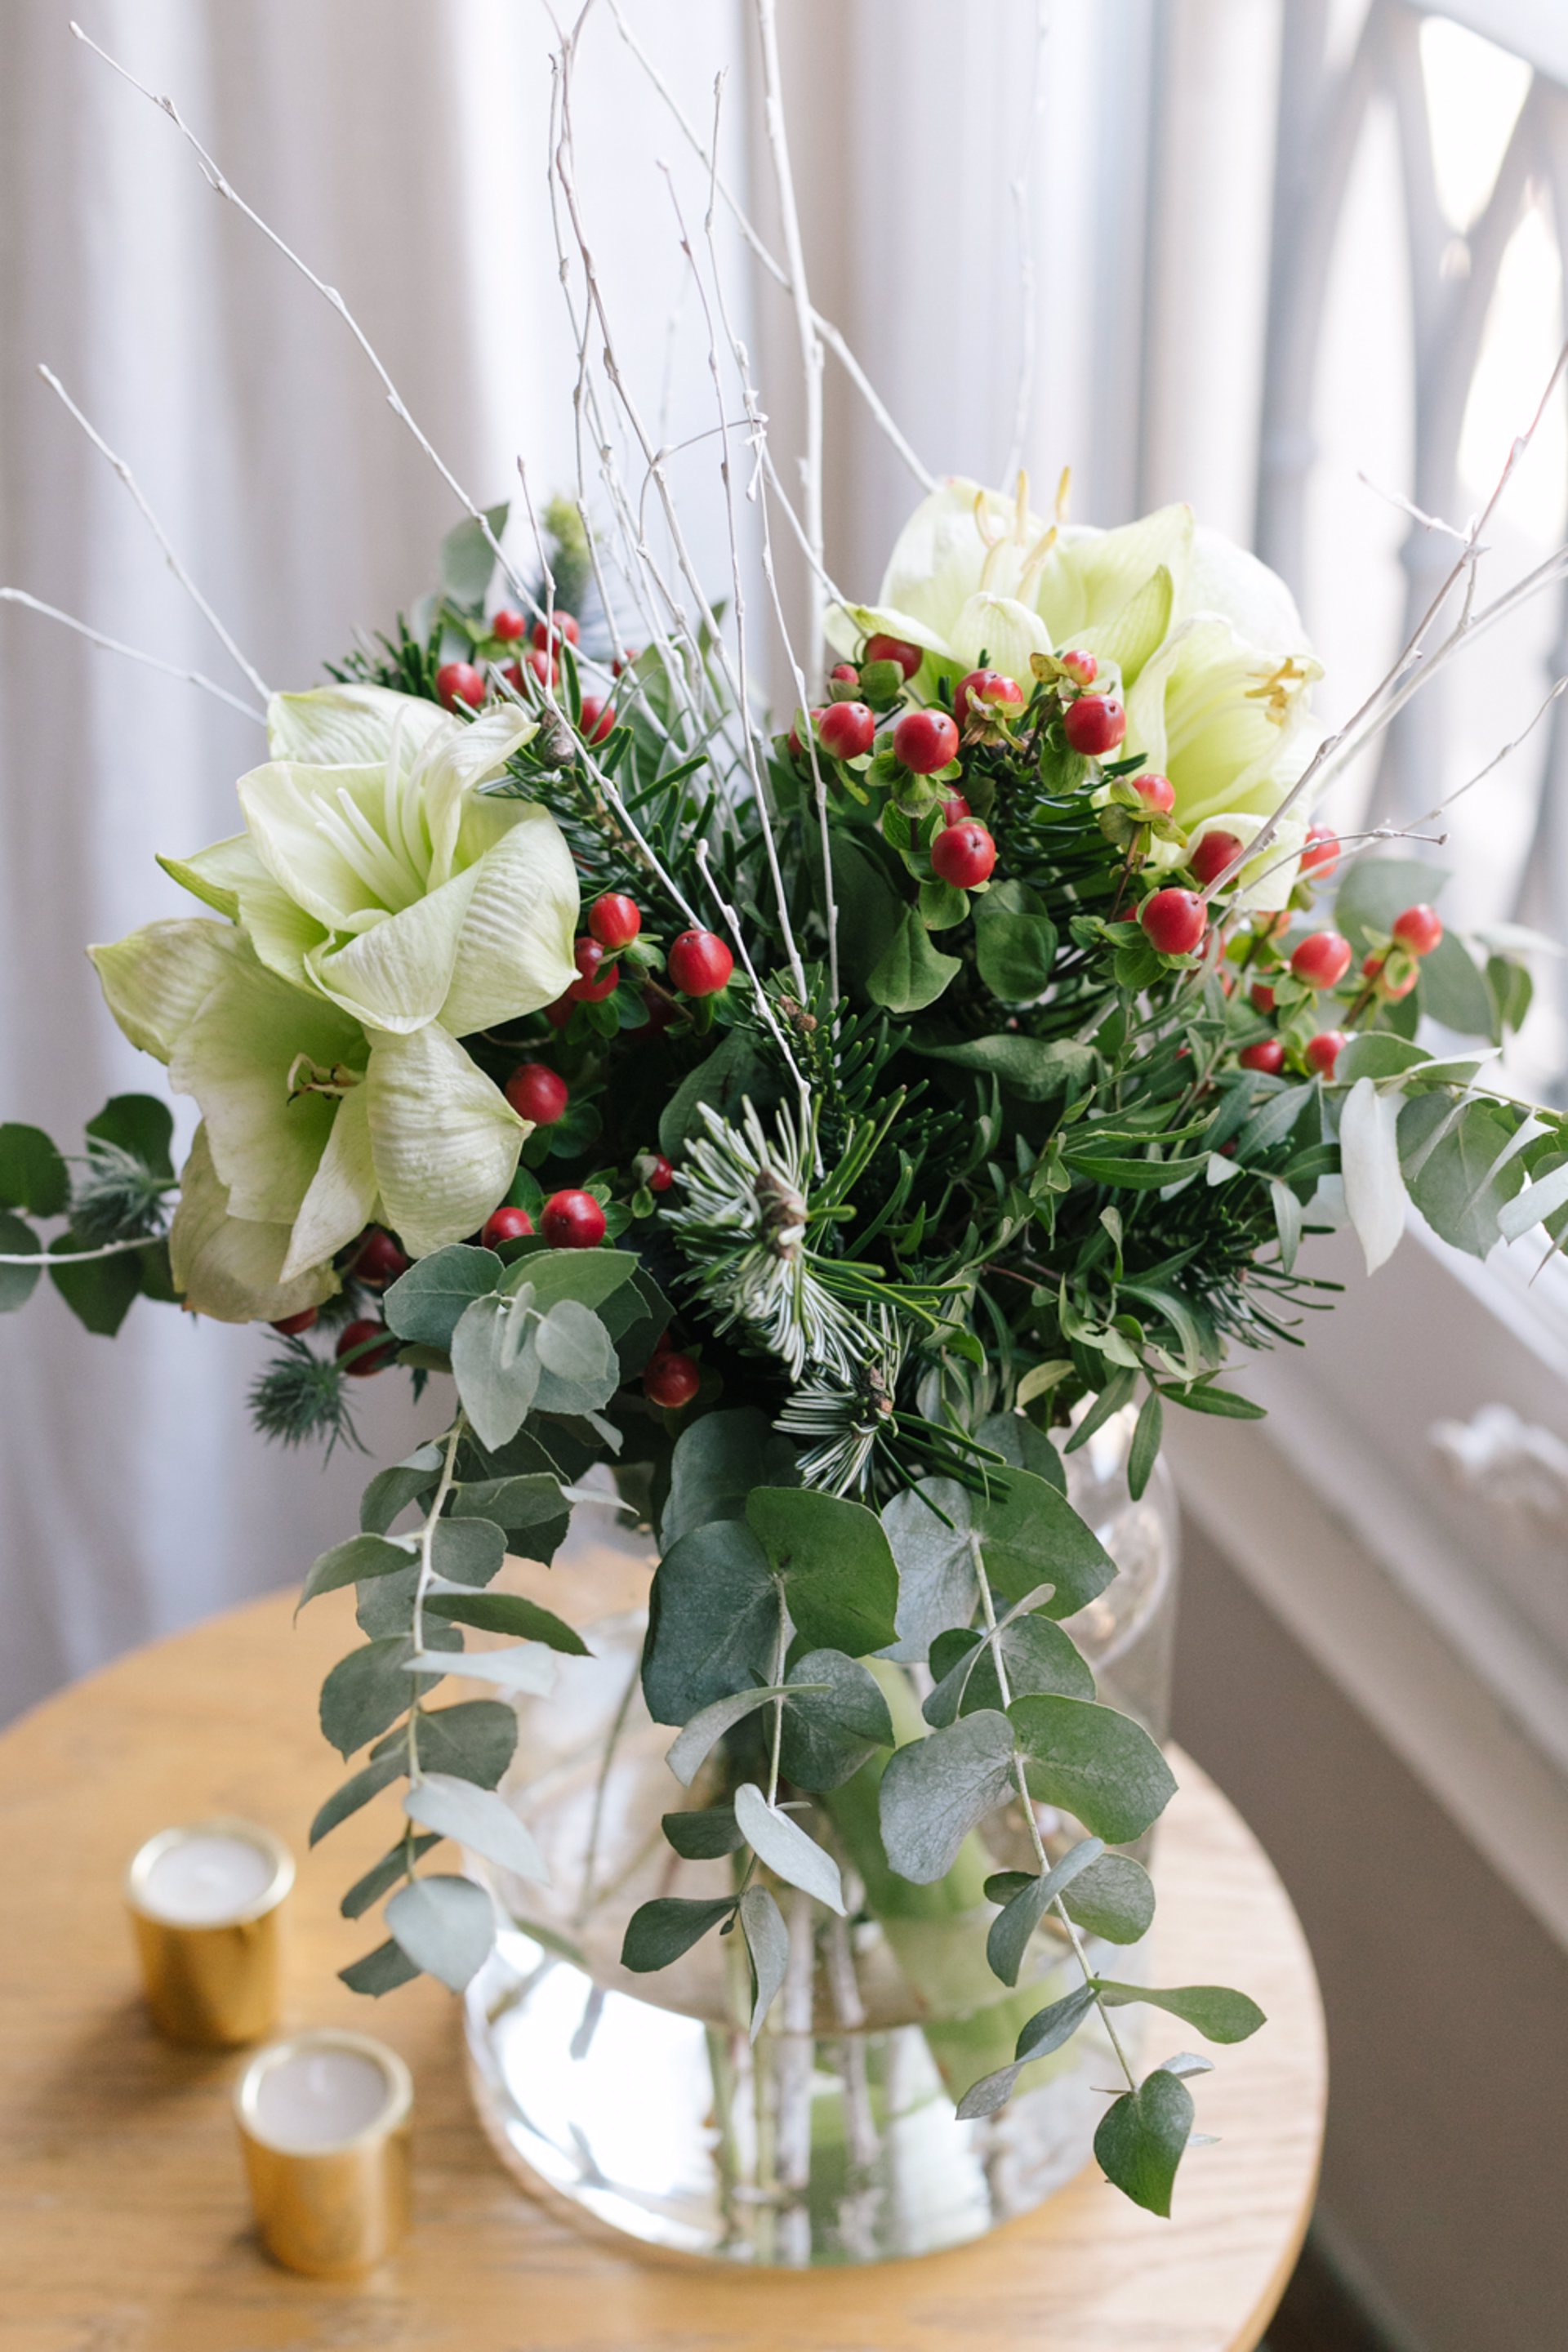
207 1902
324 2121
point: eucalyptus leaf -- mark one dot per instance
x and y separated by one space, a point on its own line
1098 1765
767 1940
496 1371
384 1874
696 1742
716 1463
472 1741
1113 1900
660 1931
529 1671
1369 1160
447 1926
1016 1922
17 1283
935 1789
1219 2013
393 1490
467 1551
1035 1654
346 1563
365 1692
927 1526
834 1564
1030 1535
703 1837
477 1817
836 1718
33 1175
508 1612
357 1790
380 1971
1045 2030
427 1302
715 1619
578 1366
778 1840
1143 2136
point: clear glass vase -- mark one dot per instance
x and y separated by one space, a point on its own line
641 2101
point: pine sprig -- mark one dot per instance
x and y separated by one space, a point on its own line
300 1397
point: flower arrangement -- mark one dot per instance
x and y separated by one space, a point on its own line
824 1132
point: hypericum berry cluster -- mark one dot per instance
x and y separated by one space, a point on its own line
1294 981
534 675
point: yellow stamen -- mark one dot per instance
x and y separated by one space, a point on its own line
1064 493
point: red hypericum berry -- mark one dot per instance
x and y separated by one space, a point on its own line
1268 1054
513 676
1419 929
894 649
506 1225
1082 668
671 1380
954 808
1323 960
1156 793
537 1093
615 919
989 691
572 1221
290 1324
846 729
964 855
566 626
596 720
543 668
380 1261
660 1010
375 1359
1094 724
700 963
795 745
596 979
558 1013
1320 856
1174 921
509 626
624 661
925 740
1390 988
460 682
1323 1051
844 674
655 1171
1262 996
1213 855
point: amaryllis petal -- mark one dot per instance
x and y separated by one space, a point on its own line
232 1268
445 1140
156 981
341 1200
1002 631
453 765
396 974
514 951
1224 578
350 725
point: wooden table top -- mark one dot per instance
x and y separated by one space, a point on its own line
125 2223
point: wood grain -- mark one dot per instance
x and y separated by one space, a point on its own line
124 2220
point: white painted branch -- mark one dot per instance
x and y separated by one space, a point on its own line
132 653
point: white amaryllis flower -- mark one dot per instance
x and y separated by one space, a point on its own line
371 871
313 1124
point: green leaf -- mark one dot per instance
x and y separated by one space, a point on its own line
495 1367
425 1303
1203 1398
100 1292
1453 991
767 1942
1141 2139
716 1463
1030 1535
33 1174
927 1526
579 1369
346 1563
1461 1188
941 905
365 1692
701 1837
836 1718
1034 1068
380 1971
508 1613
467 1550
17 1283
1144 1451
736 1068
477 1817
870 907
659 1931
777 1839
1376 1053
1098 1765
1015 1436
1016 1922
1219 2013
525 1500
713 1622
1014 942
1375 890
392 1490
386 1873
696 1742
447 1926
910 973
835 1565
141 1125
935 1789
357 1790
1037 1656
468 559
1045 2030
1113 1900
473 1741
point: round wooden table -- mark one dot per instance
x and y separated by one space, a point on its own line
126 2225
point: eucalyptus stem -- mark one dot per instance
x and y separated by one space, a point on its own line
80 1257
422 1587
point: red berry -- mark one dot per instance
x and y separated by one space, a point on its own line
506 1225
513 676
795 745
660 1010
700 963
1319 857
615 919
460 682
380 1261
844 674
894 649
1419 929
597 720
990 691
846 729
925 740
624 661
290 1324
596 979
954 808
1268 1054
509 626
1323 1051
543 668
558 1013
671 1380
1156 793
1094 724
1323 960
1174 921
375 1359
1082 668
566 626
1213 855
654 1171
538 1093
572 1221
1262 996
963 854
1392 990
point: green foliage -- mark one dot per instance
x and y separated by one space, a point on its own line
1143 2138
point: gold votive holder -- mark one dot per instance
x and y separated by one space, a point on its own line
205 1904
324 2122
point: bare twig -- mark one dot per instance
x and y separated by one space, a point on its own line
132 653
1022 192
810 342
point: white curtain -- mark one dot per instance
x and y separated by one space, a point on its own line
400 145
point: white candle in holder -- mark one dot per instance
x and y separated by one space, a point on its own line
205 1902
324 2123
